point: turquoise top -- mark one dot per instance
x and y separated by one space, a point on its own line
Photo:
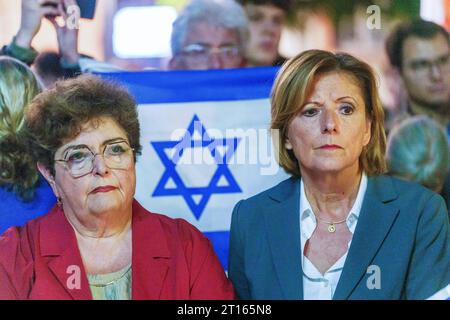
111 286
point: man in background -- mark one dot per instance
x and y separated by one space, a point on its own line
420 51
209 34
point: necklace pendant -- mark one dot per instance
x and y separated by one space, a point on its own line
331 228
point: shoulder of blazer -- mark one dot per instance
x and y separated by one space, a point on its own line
410 198
385 187
388 188
250 209
277 193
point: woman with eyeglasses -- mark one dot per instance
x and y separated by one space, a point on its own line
98 242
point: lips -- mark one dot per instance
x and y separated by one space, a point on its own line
267 45
437 88
330 147
103 189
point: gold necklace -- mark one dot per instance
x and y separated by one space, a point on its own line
331 225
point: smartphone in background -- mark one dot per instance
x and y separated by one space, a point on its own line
87 8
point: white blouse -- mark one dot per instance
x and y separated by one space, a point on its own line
315 285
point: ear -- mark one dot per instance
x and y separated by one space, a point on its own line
367 132
49 177
287 144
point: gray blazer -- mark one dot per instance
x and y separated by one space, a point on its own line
403 229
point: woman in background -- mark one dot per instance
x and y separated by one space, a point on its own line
418 150
23 194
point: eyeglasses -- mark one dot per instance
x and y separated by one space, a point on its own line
202 53
79 160
421 66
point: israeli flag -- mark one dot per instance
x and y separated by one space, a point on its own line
206 143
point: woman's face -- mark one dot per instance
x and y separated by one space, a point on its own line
266 24
330 131
104 188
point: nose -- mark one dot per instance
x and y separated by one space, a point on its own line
435 72
269 26
215 62
329 122
99 165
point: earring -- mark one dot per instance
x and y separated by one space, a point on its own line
59 202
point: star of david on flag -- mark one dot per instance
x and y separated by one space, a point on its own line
211 112
196 136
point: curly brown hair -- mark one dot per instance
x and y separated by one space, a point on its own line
58 115
18 86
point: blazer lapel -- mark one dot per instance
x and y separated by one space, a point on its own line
58 243
150 252
375 220
283 229
69 271
151 255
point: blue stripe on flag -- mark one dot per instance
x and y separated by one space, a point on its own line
197 86
219 241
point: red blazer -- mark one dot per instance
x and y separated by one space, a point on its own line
171 259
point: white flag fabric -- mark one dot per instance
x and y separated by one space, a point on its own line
206 143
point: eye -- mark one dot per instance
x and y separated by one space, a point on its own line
278 20
77 156
310 112
255 17
116 149
419 65
444 60
195 49
347 109
229 51
198 51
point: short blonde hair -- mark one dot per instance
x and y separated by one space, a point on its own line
418 150
294 83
